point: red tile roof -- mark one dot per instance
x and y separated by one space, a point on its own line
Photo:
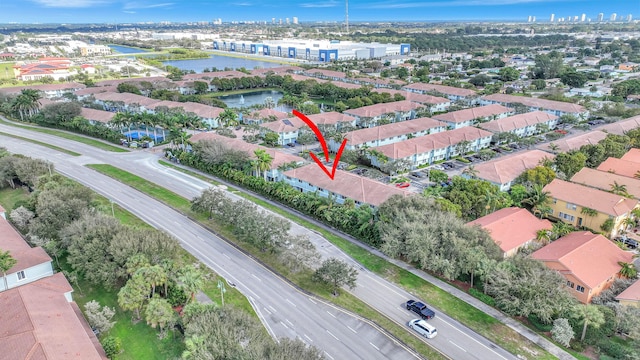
37 322
508 168
126 98
384 108
279 158
632 155
72 86
349 185
362 136
500 225
535 102
330 118
474 113
201 110
584 196
265 113
518 121
327 73
284 125
631 293
603 180
620 167
97 115
231 74
430 142
25 255
591 258
622 126
575 142
447 90
275 70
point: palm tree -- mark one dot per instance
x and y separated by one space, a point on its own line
263 162
591 213
637 174
153 275
619 189
628 222
228 118
6 263
561 229
191 280
538 200
590 315
628 270
544 236
470 171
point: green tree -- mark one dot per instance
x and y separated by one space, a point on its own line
263 162
336 273
539 175
588 315
6 263
132 296
191 280
628 270
568 164
159 313
153 275
228 118
271 139
548 66
572 78
562 331
539 84
508 74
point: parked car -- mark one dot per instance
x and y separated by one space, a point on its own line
403 185
420 309
624 240
423 328
291 144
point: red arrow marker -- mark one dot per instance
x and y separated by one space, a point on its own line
323 143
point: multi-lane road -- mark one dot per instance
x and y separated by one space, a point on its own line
284 311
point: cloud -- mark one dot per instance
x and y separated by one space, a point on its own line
424 4
128 12
142 5
69 3
326 4
242 4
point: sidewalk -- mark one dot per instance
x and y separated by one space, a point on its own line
503 318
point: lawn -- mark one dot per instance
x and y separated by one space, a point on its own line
69 136
6 71
9 197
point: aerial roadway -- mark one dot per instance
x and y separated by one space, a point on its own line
262 287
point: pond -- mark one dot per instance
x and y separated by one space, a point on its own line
254 98
220 62
125 49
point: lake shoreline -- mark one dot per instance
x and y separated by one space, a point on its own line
264 58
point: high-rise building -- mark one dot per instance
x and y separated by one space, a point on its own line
629 18
613 17
575 18
280 21
529 18
552 17
273 20
600 17
295 20
533 19
287 21
583 17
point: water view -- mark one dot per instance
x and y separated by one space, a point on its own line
220 62
125 49
254 98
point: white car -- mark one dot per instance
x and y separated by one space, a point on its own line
423 328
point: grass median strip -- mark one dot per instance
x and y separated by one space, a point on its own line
346 300
468 315
57 148
68 136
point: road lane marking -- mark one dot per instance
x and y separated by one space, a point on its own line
290 323
227 256
335 337
458 346
330 314
252 274
310 299
329 355
462 332
307 336
272 309
290 302
267 310
262 319
374 346
285 325
352 329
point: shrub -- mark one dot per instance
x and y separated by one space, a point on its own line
538 324
176 296
616 350
482 297
111 346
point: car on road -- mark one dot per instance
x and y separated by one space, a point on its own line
423 328
420 309
403 185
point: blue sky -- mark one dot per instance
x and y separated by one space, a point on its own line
122 11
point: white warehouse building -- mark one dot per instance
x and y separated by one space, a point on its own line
314 50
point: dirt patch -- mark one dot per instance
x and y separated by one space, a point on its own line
460 285
590 352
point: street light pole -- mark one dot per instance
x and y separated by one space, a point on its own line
222 290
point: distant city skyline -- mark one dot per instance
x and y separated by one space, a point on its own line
126 11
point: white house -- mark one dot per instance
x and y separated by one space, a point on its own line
522 125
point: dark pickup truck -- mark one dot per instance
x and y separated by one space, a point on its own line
420 309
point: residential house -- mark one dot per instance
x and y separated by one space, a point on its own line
621 167
377 83
574 142
452 93
263 115
631 296
97 116
86 93
208 114
632 155
280 70
474 115
55 68
124 102
344 186
522 125
326 74
373 115
435 104
557 108
388 134
287 129
332 120
500 225
605 180
622 126
503 171
628 66
279 161
434 147
95 50
588 262
49 91
585 206
39 319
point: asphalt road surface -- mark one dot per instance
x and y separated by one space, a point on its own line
454 339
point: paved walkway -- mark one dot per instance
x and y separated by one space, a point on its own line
497 314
